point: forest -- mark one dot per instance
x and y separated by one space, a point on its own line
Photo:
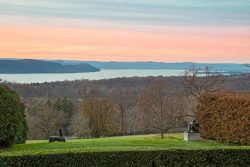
121 106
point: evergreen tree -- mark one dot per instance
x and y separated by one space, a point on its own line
66 107
13 126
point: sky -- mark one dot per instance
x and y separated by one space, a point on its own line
213 31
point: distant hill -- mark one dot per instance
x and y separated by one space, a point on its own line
40 66
223 67
71 66
227 67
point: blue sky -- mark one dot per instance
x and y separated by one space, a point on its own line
156 12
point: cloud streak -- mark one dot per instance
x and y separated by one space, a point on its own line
157 12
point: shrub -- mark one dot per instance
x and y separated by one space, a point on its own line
195 158
13 127
225 118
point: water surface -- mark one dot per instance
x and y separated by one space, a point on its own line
103 74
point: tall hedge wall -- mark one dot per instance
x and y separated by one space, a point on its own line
13 127
167 158
225 118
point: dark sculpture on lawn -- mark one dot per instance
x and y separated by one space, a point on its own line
60 133
193 127
59 138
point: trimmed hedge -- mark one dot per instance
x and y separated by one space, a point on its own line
13 127
225 118
229 157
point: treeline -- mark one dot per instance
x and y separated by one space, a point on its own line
75 89
119 106
156 108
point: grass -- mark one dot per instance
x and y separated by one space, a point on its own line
126 143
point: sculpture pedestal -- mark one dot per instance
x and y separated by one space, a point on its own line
191 136
57 138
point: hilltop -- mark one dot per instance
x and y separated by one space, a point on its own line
41 66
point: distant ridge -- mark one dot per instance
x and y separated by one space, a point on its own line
72 66
19 66
112 65
173 66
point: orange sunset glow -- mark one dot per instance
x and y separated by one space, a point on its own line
102 44
31 36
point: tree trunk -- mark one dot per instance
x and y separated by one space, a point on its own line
162 135
123 124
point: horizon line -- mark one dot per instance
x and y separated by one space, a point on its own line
109 61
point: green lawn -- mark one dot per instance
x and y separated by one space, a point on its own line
126 143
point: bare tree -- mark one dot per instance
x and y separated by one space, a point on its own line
159 103
124 102
80 125
198 82
132 120
43 120
100 113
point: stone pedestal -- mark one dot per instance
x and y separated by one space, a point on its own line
191 136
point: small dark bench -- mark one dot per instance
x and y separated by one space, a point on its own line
57 138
